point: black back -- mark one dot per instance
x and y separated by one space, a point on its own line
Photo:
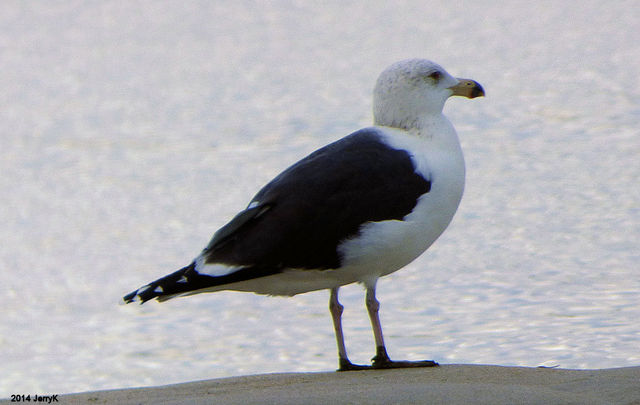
299 218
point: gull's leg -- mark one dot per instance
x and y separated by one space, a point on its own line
381 359
336 314
373 306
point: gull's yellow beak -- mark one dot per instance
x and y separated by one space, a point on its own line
467 88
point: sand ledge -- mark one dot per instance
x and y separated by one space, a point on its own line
447 384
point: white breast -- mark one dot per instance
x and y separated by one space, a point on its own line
384 247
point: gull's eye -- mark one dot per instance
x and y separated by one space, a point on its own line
435 75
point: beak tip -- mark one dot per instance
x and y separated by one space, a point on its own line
477 91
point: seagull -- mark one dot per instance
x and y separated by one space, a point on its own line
353 211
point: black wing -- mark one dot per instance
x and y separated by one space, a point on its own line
299 219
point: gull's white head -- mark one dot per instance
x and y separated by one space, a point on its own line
410 90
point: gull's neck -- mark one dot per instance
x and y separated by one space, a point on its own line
432 128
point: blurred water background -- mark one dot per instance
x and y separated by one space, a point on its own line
132 130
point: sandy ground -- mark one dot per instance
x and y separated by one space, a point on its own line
447 384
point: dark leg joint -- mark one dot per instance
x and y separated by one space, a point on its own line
381 357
